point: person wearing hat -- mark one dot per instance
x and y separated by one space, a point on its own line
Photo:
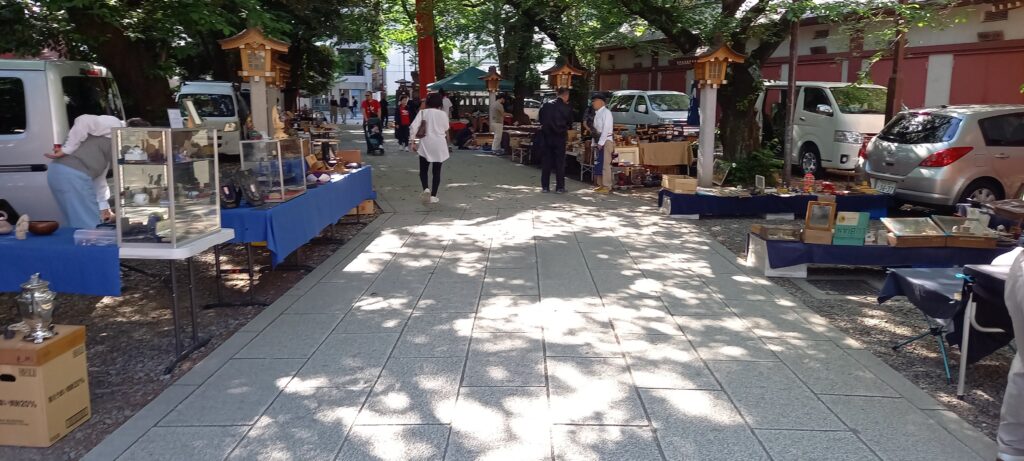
603 143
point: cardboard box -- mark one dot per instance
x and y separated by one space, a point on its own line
679 184
44 388
349 156
367 207
665 153
821 237
628 155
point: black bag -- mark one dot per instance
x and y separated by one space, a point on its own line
421 132
229 197
12 215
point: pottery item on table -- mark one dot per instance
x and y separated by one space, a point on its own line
311 178
21 228
135 154
5 227
324 178
141 199
353 166
35 303
43 227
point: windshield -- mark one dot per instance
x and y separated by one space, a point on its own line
860 100
91 95
621 103
920 128
210 105
669 102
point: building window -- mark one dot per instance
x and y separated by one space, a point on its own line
819 50
820 34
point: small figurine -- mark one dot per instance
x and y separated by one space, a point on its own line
21 228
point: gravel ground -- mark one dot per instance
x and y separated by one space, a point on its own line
878 327
129 338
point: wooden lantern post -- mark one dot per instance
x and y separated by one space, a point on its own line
260 70
493 80
561 76
709 72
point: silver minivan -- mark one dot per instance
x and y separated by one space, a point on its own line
950 154
634 108
39 100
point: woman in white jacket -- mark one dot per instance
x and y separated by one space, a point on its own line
432 148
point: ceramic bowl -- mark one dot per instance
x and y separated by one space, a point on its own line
43 227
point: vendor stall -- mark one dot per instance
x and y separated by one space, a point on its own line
695 205
287 226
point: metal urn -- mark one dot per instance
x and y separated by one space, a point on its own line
36 306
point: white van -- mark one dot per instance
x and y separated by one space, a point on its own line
634 108
833 121
222 107
39 101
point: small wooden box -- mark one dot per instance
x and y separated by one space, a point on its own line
367 207
679 184
821 237
628 155
350 156
916 241
971 241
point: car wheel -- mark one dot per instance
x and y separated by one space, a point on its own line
810 161
981 191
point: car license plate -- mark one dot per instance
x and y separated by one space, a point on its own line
885 187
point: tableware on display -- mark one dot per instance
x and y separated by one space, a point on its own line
35 303
21 228
43 227
141 199
5 227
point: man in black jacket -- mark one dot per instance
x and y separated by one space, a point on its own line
555 121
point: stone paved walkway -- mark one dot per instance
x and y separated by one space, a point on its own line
504 324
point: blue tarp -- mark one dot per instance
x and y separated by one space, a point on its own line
289 225
70 268
710 205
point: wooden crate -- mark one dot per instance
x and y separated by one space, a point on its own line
679 184
971 241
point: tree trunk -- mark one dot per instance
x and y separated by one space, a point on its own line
291 94
738 127
439 69
144 91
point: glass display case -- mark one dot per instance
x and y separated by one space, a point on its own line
279 166
166 182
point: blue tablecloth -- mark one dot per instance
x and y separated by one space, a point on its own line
932 290
786 253
70 268
289 225
710 205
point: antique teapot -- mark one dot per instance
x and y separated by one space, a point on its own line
36 306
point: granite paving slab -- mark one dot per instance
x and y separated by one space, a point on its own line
769 396
179 443
346 361
501 423
593 391
605 443
395 443
700 425
414 391
505 359
236 395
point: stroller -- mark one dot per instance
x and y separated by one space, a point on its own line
374 132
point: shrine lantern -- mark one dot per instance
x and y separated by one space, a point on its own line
709 70
492 79
258 53
561 76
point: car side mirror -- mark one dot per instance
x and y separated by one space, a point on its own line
642 108
824 109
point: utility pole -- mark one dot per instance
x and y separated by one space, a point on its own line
788 149
894 97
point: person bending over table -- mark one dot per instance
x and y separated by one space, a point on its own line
1011 420
77 176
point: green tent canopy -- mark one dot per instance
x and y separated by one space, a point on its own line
467 80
